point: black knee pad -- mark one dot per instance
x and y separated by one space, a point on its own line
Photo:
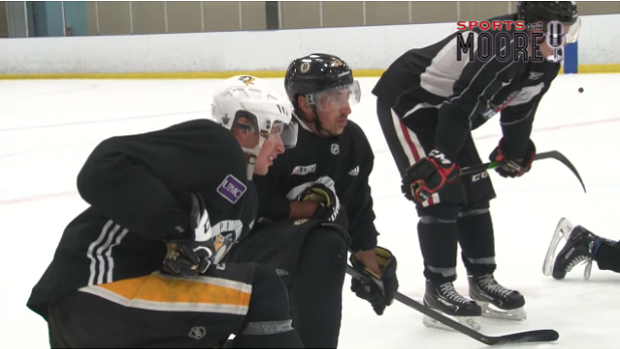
269 300
324 246
268 323
475 208
439 213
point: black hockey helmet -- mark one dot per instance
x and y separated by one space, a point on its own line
327 83
546 11
319 73
564 12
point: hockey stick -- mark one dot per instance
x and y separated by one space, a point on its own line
554 154
521 337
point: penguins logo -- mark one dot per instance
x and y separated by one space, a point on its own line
337 63
247 80
223 242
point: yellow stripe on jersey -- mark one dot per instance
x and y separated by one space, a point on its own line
160 292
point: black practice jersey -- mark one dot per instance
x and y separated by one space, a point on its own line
347 159
135 186
467 93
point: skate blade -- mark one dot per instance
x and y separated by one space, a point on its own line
562 231
588 270
469 321
491 311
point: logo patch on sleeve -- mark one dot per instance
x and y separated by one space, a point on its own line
232 189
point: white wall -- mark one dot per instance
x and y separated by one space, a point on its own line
363 48
599 40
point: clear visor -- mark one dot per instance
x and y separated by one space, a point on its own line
337 98
571 32
285 134
279 132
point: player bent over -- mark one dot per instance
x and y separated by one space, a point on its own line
428 103
140 267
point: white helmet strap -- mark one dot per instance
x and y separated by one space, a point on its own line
253 153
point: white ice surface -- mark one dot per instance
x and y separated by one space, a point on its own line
48 128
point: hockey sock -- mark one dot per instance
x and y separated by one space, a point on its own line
438 242
268 322
476 237
607 256
316 289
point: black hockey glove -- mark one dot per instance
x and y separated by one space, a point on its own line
378 291
513 166
323 192
192 257
429 175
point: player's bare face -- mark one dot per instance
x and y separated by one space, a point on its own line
270 150
334 112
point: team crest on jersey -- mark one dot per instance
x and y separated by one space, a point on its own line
335 149
227 234
231 189
247 80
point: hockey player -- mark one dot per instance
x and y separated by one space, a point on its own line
319 202
582 246
140 267
428 102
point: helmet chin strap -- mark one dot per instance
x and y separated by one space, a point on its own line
252 155
316 122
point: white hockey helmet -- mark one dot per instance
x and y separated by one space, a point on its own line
268 111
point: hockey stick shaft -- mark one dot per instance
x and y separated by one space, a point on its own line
554 154
521 337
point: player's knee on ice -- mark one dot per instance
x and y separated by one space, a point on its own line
268 323
269 300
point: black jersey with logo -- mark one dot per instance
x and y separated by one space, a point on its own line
347 160
467 94
136 187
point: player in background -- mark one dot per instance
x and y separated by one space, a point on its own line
141 266
582 246
428 103
316 204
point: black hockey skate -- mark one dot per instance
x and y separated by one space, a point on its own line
444 299
579 249
496 301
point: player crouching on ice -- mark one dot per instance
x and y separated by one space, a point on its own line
141 266
317 205
582 246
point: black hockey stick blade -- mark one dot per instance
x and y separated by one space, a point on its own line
521 337
554 154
